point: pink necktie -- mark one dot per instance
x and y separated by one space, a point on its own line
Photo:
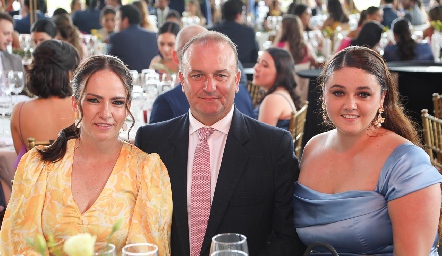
200 191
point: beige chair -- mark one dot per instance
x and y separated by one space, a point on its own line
437 103
256 93
296 127
32 142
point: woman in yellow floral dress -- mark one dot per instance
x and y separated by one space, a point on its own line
88 178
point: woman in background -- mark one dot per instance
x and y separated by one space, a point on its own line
305 14
406 48
366 187
145 22
372 13
43 30
369 36
274 72
166 39
89 178
107 18
336 16
66 31
48 78
435 14
193 10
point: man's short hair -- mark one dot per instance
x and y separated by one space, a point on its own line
231 9
388 1
131 12
6 16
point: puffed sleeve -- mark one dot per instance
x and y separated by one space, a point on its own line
407 170
152 217
23 214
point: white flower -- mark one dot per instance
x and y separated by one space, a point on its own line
80 245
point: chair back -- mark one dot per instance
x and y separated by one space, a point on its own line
32 142
437 103
296 128
256 93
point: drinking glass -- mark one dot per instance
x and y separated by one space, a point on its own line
144 249
229 253
104 249
5 101
229 241
167 82
16 81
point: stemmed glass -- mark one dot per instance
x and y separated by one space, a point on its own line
167 82
16 82
6 102
229 253
144 249
229 241
104 249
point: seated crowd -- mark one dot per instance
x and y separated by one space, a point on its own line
209 161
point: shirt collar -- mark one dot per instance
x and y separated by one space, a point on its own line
222 125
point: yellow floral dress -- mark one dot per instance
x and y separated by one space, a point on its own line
138 190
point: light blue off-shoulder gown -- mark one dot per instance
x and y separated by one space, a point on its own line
357 222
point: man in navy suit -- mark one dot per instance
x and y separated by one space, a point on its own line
173 103
389 13
23 25
252 165
242 35
134 45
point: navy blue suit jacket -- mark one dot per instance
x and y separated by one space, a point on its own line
135 46
86 20
23 26
243 36
389 16
174 103
254 189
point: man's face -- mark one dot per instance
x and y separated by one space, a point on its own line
6 30
162 4
120 24
210 78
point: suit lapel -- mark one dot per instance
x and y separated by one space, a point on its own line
232 166
175 158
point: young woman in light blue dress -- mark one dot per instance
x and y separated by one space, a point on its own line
366 187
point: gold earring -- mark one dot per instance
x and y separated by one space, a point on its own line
379 119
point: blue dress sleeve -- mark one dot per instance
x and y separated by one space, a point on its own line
408 169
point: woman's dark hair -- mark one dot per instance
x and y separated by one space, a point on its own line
292 34
169 27
79 82
372 63
48 75
435 13
362 17
107 10
231 8
46 26
370 34
336 12
299 10
405 43
285 68
59 11
68 32
173 14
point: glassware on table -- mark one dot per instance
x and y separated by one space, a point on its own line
134 74
167 82
144 249
104 249
5 100
16 81
229 253
229 241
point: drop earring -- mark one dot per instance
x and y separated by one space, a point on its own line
379 119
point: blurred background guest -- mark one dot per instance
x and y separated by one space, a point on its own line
372 13
305 14
414 12
435 14
161 10
193 10
59 11
43 30
75 6
389 12
369 36
336 16
116 4
107 18
174 16
49 74
274 72
66 31
144 11
166 38
23 25
291 38
275 11
87 19
406 48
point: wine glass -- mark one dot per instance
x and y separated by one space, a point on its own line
167 82
229 241
16 81
104 249
144 249
5 100
229 253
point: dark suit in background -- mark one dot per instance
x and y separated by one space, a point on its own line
135 46
389 15
257 173
243 36
86 20
23 26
